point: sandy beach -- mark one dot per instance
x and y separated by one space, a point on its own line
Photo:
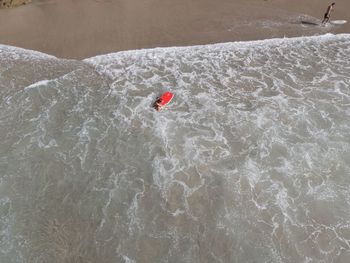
84 28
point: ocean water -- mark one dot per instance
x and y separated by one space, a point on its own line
249 163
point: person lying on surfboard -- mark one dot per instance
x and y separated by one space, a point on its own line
157 104
327 15
163 100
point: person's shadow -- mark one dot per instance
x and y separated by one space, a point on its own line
309 23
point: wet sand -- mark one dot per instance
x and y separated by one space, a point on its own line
85 28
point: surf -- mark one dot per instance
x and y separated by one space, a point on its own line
251 153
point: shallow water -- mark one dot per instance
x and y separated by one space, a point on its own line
249 163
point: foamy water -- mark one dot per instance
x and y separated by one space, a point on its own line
249 163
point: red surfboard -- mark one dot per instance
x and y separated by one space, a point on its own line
163 100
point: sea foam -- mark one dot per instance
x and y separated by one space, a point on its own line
249 162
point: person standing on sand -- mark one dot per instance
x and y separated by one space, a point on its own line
327 15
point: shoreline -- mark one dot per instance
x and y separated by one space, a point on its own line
86 28
239 43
